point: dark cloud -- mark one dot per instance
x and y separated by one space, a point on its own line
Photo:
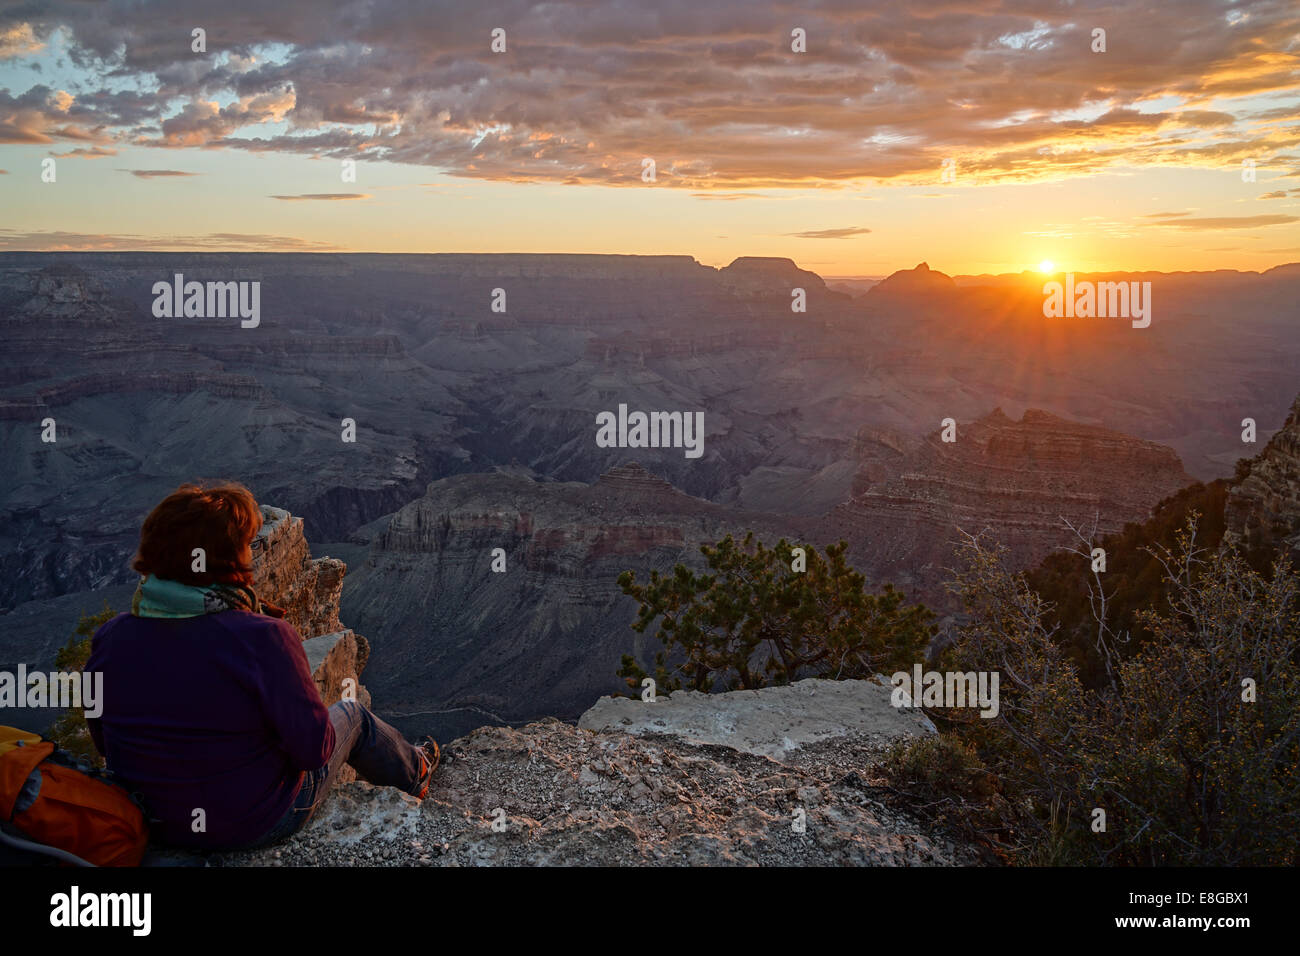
841 233
156 173
712 92
323 196
42 116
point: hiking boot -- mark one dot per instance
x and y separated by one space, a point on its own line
430 756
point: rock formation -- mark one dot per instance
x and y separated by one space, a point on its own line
308 589
1016 478
463 644
563 795
459 644
770 722
1263 510
756 275
920 281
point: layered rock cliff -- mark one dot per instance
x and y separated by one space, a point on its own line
307 588
465 634
1263 510
1017 478
472 634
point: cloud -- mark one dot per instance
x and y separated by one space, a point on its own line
1165 215
202 122
18 39
56 241
1227 222
711 91
93 152
1276 194
323 196
153 173
842 233
44 116
1204 118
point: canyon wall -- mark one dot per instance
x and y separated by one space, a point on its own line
1019 479
458 644
1263 510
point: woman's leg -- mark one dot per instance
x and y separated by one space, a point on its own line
376 750
373 748
310 796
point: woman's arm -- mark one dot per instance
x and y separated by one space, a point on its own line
291 700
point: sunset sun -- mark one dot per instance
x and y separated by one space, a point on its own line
1047 266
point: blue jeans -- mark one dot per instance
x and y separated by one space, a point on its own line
376 750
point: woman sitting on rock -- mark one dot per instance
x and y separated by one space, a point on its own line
210 711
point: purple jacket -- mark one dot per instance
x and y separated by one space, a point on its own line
218 713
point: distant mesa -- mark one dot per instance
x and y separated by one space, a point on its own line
765 273
1288 271
912 282
771 265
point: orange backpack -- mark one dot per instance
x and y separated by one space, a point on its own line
50 803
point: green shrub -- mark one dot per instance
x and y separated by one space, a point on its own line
1190 764
764 615
70 731
938 765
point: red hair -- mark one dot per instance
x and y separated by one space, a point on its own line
222 520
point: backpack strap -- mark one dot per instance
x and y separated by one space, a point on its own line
15 768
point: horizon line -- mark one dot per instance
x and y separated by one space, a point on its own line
630 255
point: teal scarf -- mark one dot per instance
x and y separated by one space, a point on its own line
158 597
